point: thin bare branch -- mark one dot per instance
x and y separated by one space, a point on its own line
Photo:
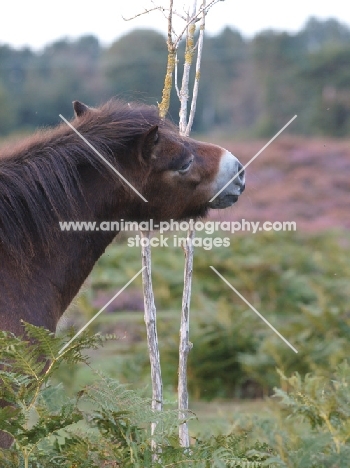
170 25
156 8
183 17
149 10
194 19
198 71
163 10
184 91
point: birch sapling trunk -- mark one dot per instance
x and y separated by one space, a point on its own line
185 345
152 338
150 308
185 126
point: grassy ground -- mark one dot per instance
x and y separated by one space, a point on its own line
221 417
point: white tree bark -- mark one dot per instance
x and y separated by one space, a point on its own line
152 338
184 91
185 125
198 70
185 344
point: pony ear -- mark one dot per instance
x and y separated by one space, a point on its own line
79 108
149 139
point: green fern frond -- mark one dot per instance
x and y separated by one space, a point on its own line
50 423
11 420
47 345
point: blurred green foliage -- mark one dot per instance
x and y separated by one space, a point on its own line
310 426
247 86
298 282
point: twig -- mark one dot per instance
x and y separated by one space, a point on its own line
149 10
184 94
194 19
198 67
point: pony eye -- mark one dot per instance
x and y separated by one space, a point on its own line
185 167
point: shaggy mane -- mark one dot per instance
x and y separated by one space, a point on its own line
39 178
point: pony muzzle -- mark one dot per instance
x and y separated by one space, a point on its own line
231 175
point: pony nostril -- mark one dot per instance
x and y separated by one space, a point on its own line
241 175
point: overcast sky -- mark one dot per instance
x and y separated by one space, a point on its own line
38 22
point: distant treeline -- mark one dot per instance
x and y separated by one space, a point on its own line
247 86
